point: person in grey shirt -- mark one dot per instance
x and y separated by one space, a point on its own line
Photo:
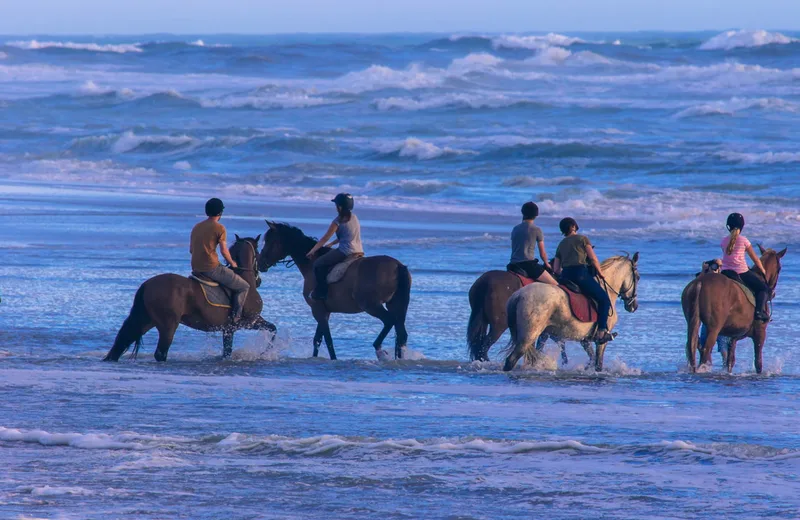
348 237
525 237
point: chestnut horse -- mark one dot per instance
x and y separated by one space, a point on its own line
167 300
717 302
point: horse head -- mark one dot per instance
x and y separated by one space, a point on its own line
771 260
274 248
629 290
245 253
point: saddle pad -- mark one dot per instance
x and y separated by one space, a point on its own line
747 293
340 269
583 309
524 279
217 296
204 281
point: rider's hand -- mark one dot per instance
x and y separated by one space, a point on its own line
310 254
234 265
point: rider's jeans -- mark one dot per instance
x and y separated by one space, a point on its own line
234 282
589 286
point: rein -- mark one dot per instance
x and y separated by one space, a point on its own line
619 293
255 260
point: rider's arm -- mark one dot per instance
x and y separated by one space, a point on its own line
328 234
223 248
543 253
593 259
557 265
756 260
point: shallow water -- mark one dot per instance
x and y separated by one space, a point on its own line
107 154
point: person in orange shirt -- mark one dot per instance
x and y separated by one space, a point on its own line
206 237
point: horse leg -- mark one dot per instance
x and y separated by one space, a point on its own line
563 345
166 332
587 346
378 311
326 333
227 343
759 338
495 331
260 323
708 346
318 338
598 358
542 341
730 359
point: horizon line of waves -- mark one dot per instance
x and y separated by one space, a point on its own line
115 48
337 445
745 38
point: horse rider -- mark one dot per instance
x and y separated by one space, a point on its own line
348 237
734 265
525 237
573 258
206 237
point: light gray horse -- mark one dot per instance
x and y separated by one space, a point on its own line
544 309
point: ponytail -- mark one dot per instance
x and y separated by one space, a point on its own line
344 214
732 240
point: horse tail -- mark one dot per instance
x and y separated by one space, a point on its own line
402 294
477 327
511 309
691 311
132 329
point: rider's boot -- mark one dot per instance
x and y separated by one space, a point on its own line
603 336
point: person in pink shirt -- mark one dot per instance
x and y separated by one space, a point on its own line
734 246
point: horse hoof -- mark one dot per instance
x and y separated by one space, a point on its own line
508 366
382 355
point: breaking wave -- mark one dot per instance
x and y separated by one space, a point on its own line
35 45
745 38
418 149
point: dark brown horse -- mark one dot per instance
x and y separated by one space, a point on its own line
368 284
167 300
716 301
488 320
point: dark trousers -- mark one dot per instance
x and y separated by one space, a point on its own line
323 266
580 275
755 283
532 268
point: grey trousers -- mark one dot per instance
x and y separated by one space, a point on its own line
227 278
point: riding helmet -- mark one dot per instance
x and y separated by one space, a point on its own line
566 224
530 210
344 201
214 207
735 220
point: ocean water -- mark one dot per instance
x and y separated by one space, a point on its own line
110 146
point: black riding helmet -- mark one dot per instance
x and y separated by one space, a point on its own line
214 207
735 220
530 210
344 201
566 224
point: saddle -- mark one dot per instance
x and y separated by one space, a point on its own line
216 295
524 279
751 297
583 308
340 269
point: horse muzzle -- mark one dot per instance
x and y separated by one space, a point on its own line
631 305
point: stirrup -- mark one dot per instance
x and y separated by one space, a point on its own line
605 338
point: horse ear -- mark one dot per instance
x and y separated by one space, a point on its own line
237 236
635 258
761 249
782 252
271 225
258 238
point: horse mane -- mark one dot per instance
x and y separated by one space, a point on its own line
297 242
612 260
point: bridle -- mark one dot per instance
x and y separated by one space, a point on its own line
627 300
256 274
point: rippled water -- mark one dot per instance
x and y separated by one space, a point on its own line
108 149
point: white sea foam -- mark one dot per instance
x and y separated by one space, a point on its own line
265 101
182 165
409 186
83 172
201 43
51 491
734 105
745 38
99 441
128 141
535 42
93 47
761 158
418 149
